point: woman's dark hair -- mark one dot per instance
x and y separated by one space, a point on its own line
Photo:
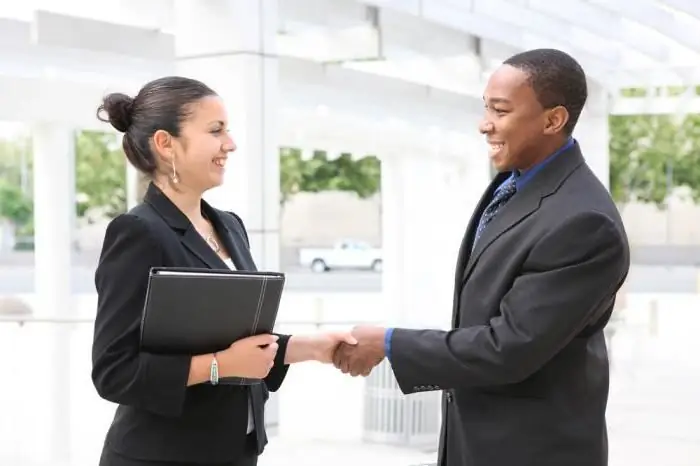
162 104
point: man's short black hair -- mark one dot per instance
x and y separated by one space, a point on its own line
557 79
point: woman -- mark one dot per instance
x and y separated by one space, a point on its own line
175 132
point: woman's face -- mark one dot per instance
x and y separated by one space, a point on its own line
201 151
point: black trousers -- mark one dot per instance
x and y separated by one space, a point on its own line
111 458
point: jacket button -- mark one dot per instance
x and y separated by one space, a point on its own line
449 397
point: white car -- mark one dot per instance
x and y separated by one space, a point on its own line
346 254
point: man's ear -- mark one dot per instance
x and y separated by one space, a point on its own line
556 119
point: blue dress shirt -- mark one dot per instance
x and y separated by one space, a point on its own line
523 178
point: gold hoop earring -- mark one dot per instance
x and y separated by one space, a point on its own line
175 179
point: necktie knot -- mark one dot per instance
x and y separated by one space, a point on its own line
500 197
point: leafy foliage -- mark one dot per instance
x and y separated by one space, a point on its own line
649 154
361 176
14 204
15 182
100 177
100 173
646 153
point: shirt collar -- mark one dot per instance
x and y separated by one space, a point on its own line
524 176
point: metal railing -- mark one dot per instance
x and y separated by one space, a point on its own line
68 377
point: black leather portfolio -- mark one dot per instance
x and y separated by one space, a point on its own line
199 311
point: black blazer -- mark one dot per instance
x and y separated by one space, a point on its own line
158 417
525 370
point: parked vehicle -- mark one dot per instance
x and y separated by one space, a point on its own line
345 254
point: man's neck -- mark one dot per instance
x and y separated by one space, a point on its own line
548 148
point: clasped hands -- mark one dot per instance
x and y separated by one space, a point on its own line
363 354
356 352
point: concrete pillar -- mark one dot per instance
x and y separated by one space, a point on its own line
427 202
236 57
54 219
133 194
593 134
411 241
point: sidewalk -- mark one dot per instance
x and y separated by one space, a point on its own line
286 452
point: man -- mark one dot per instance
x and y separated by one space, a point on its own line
525 369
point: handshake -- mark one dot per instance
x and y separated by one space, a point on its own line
359 351
356 353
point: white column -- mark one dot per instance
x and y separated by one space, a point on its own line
54 218
426 206
230 45
427 201
132 186
593 134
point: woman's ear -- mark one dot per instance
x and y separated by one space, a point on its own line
163 145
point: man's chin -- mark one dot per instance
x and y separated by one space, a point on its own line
499 165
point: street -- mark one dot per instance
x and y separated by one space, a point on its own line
642 278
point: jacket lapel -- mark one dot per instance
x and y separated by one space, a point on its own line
523 204
193 241
465 249
519 207
232 236
189 237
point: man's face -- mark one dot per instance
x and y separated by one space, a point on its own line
514 122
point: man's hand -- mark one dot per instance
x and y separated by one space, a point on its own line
361 358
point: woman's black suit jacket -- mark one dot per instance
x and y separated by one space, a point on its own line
158 417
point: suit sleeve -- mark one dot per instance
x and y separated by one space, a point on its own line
568 281
279 370
121 372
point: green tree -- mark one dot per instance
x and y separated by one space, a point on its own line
686 171
291 173
15 205
643 150
361 176
16 163
100 173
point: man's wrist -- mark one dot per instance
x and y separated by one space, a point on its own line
388 333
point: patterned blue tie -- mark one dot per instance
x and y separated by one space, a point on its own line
503 195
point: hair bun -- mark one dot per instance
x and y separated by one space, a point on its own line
119 110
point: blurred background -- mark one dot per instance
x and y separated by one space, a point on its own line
359 164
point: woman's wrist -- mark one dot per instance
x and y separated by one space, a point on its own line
301 348
200 369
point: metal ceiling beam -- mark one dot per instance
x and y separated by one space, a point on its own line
460 16
556 33
651 15
336 14
655 106
691 7
603 23
656 77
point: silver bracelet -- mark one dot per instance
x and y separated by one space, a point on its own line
214 371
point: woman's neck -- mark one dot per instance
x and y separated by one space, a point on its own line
189 203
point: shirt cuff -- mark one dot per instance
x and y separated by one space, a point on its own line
387 343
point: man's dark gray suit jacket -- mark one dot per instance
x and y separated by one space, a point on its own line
525 369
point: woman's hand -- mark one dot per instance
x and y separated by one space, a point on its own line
251 357
327 343
319 347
